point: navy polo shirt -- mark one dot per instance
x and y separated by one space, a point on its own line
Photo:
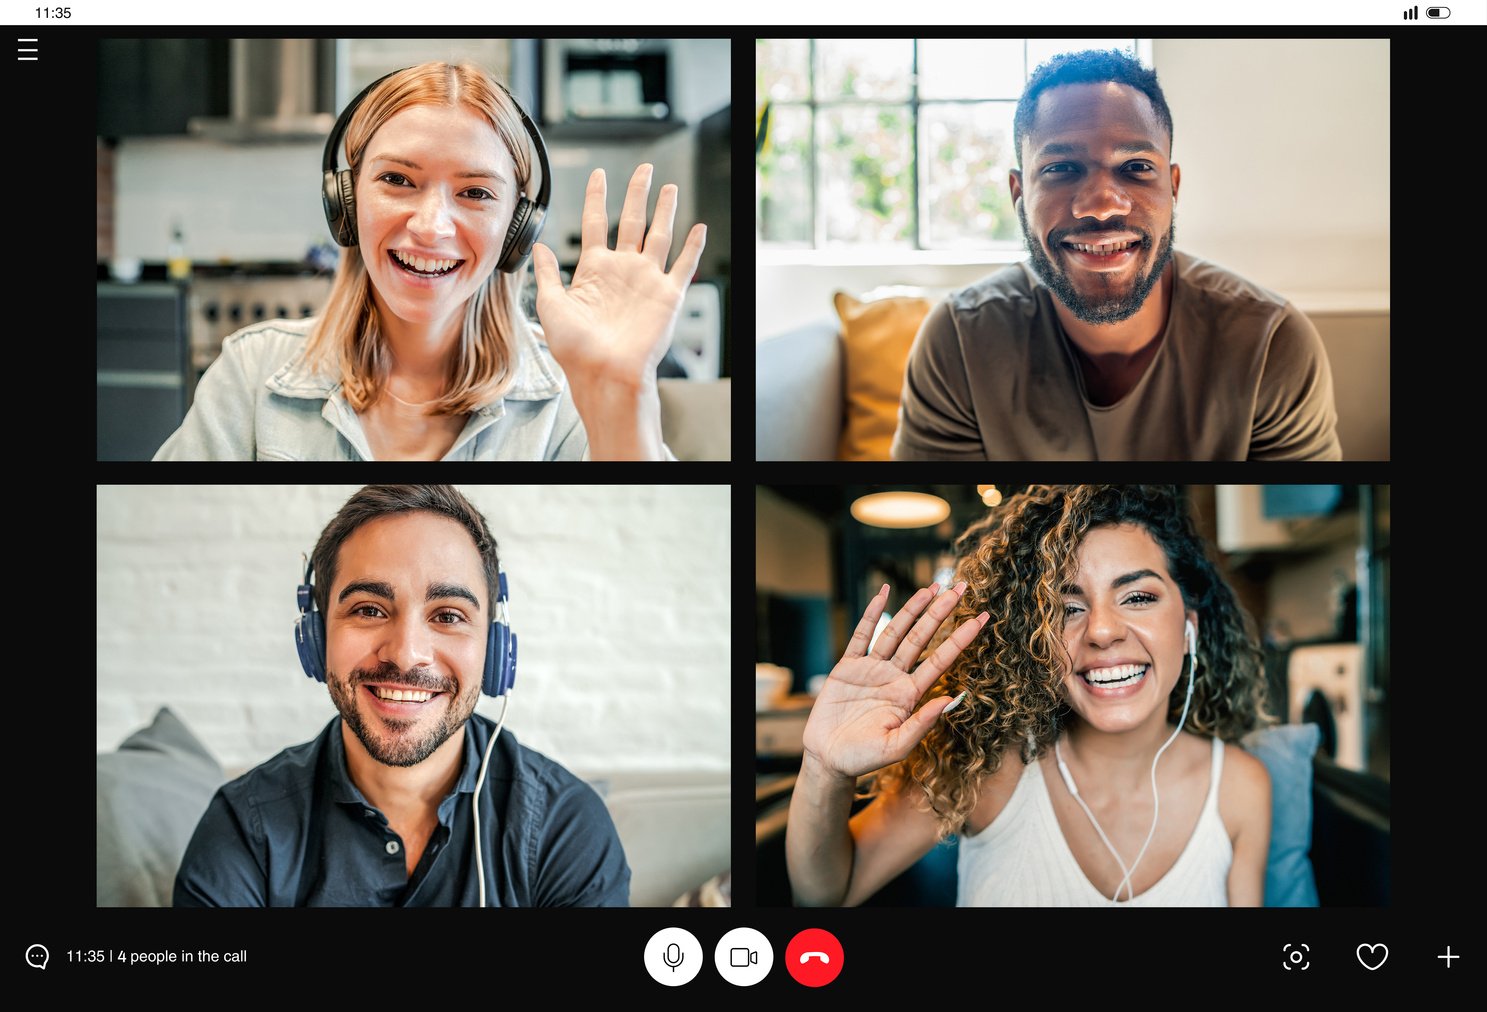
295 831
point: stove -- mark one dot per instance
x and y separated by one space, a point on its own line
220 306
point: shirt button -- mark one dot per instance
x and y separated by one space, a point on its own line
392 846
371 813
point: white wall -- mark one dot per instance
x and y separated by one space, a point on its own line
619 594
238 202
1284 149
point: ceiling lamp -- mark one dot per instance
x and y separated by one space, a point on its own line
900 509
989 495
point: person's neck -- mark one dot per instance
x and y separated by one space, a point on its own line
419 356
1101 761
1113 356
405 794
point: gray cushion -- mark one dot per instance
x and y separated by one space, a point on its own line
1287 750
798 407
151 793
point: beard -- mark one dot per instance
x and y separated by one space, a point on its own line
1110 306
400 742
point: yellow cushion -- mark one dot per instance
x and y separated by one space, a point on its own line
876 337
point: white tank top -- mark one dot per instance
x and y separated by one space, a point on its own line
1023 860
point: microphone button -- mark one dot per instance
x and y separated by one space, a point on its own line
673 956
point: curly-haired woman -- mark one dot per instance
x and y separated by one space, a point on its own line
1076 729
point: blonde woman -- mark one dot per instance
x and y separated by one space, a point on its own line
422 351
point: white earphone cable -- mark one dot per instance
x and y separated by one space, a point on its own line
1126 883
475 799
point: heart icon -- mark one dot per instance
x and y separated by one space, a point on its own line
1376 955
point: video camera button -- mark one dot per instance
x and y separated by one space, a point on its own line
743 957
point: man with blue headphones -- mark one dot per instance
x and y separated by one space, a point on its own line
408 797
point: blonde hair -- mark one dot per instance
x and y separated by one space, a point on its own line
347 338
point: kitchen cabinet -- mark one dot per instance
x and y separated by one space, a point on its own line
142 387
152 87
359 62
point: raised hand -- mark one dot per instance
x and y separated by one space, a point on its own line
614 322
864 717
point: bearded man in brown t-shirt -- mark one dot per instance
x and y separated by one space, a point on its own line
1109 344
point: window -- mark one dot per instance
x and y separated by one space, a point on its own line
901 143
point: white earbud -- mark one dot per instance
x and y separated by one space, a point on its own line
1192 638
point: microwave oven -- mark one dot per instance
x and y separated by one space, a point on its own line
605 79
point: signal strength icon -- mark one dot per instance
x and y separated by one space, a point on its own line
1413 14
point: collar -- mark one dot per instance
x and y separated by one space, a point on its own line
345 792
537 377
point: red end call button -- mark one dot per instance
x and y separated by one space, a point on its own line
814 957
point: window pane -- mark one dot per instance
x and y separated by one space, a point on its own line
1040 51
963 175
864 68
781 70
865 176
784 176
970 68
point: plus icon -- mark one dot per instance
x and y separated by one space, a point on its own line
1448 957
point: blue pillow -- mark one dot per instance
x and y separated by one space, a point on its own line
1287 750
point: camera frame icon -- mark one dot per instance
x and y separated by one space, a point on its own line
743 957
1296 957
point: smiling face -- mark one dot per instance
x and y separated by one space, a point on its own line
1096 193
407 625
1124 629
434 197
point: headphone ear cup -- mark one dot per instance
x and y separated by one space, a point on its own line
500 660
526 226
347 231
309 638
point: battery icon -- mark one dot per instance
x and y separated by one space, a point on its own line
1437 12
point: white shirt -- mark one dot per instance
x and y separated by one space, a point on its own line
1023 860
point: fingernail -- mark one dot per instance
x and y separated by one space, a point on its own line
960 588
984 616
883 589
954 702
934 588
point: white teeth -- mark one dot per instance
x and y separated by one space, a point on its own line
1113 247
404 695
424 264
1109 676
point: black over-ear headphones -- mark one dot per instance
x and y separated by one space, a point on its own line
339 190
500 650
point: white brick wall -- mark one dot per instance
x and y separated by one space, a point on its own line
619 594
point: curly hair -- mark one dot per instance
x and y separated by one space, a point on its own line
1016 564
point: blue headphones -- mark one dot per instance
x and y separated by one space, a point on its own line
500 647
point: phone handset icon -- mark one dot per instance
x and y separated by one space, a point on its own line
807 956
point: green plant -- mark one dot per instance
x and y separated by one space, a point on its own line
761 130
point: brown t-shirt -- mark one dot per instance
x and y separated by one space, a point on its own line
1240 375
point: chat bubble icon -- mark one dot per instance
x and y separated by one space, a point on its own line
37 956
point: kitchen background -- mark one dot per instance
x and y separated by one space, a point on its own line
209 210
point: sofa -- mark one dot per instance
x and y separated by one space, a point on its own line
696 417
1329 843
800 401
152 790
